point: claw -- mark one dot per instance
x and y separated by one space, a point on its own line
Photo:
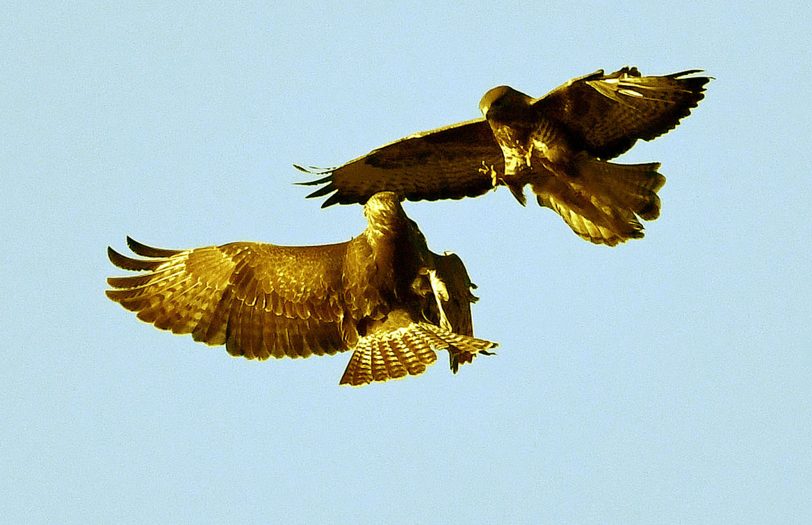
491 172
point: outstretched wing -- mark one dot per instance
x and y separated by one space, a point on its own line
260 300
609 113
445 163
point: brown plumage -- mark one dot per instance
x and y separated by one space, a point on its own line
559 144
383 294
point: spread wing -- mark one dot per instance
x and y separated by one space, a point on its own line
609 113
260 300
444 163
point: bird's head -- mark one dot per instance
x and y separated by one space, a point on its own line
383 207
383 200
504 103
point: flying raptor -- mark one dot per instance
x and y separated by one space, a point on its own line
559 144
384 295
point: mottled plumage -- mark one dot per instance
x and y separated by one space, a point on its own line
383 294
559 144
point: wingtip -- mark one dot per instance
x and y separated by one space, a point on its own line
686 72
324 190
111 254
132 244
118 259
313 170
333 199
144 250
301 168
697 82
128 263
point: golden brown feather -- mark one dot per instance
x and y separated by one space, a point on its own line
521 141
263 300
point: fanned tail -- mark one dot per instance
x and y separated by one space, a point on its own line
407 351
604 201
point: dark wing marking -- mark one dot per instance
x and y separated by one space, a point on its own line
445 163
260 300
609 113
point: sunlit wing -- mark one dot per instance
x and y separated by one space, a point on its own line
260 300
609 113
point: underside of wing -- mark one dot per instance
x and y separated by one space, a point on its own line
260 300
609 113
446 163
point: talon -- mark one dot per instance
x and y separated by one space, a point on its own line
490 171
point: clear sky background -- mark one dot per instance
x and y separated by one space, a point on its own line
668 380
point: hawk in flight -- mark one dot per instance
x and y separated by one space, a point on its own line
559 144
384 295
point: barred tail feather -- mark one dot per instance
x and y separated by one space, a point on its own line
633 186
604 202
407 351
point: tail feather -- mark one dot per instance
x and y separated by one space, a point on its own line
406 351
604 201
633 186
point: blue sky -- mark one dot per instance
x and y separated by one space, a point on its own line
663 381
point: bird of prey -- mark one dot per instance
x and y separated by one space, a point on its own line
383 294
559 144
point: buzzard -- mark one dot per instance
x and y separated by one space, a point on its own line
559 144
383 294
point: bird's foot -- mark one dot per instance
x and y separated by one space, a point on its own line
492 173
